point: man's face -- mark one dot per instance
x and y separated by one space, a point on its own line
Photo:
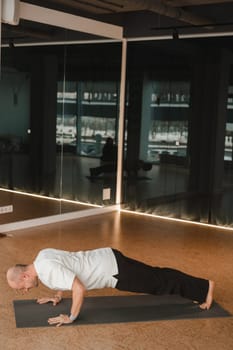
25 283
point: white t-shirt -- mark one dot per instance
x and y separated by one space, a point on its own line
94 268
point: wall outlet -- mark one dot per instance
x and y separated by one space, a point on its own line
106 194
6 209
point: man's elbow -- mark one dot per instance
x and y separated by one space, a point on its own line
78 287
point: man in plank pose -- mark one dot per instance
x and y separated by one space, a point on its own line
100 268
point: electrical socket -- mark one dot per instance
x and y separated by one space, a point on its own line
6 209
106 193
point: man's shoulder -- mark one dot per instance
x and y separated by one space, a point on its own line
46 260
46 253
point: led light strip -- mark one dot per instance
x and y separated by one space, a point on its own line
51 198
119 209
177 220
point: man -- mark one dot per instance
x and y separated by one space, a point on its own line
100 268
108 159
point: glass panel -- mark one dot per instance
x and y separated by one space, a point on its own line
51 132
91 110
28 119
157 157
178 139
159 175
222 212
15 127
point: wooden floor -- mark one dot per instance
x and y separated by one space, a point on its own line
201 251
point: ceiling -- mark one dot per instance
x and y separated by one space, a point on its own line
139 18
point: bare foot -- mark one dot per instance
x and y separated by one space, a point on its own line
210 297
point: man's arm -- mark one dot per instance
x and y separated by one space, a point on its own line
78 291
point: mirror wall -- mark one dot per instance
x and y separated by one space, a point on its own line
59 106
178 158
88 115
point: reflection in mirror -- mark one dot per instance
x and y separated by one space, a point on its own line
29 161
178 148
91 108
55 117
222 210
156 158
27 140
46 150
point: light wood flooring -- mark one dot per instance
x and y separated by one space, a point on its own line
201 251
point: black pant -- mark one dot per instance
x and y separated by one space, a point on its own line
135 276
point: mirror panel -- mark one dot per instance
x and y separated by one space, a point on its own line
58 105
178 139
90 119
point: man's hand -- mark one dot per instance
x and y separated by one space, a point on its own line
55 300
59 320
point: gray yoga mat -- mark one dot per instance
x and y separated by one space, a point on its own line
115 309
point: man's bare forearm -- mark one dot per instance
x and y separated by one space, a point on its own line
78 291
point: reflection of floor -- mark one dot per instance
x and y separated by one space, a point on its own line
201 251
27 207
157 182
162 190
